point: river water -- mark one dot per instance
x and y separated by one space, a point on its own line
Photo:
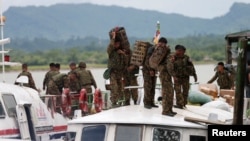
204 73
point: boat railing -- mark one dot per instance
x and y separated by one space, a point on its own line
54 102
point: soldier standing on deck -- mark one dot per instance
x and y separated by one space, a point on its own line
117 63
74 84
25 72
48 76
181 69
166 80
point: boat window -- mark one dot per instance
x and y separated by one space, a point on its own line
2 113
70 136
163 134
197 138
94 133
10 104
128 133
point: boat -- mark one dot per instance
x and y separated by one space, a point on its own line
25 116
136 123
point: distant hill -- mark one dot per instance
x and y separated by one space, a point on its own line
65 21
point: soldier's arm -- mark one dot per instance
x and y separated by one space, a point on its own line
170 65
32 82
111 47
213 78
45 80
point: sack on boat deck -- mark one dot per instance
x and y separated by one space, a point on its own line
158 55
106 74
197 97
121 33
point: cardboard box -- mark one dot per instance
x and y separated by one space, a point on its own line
229 99
224 92
209 89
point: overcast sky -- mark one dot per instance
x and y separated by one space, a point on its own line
191 8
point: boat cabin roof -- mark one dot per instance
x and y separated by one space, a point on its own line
137 114
234 37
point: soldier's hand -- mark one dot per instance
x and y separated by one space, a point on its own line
195 78
120 52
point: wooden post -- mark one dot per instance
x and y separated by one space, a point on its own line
240 83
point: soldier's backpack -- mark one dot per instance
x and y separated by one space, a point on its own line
157 56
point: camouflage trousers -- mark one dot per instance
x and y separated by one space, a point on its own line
133 92
116 87
149 88
181 88
167 92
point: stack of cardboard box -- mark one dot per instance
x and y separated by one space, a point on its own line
228 95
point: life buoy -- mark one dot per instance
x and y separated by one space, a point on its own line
83 103
66 102
98 100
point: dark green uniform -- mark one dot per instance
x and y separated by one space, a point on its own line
223 79
181 68
31 82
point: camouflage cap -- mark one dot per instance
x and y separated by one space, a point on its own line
82 65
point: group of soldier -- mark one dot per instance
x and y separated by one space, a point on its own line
174 69
54 81
176 66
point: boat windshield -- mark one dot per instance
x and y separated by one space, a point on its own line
2 113
10 104
93 133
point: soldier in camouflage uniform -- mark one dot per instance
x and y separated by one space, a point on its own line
131 80
55 87
74 78
166 80
224 80
86 78
48 76
117 63
86 81
25 72
181 69
149 78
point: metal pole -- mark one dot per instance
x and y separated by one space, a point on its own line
2 24
240 83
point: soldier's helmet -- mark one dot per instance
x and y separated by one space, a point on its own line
82 65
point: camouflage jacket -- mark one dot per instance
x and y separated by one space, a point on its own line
48 77
115 60
223 79
31 82
180 66
86 77
61 80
